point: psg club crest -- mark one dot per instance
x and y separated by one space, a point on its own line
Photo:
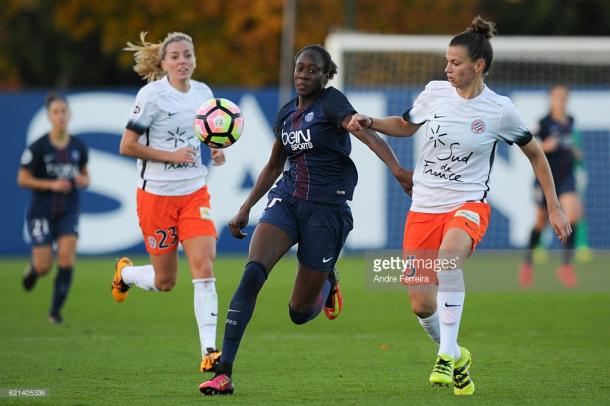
478 126
309 117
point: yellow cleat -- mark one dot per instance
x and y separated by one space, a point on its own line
442 373
462 383
210 360
119 288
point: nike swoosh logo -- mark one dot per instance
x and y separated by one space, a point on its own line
214 314
437 116
325 260
172 114
234 311
450 305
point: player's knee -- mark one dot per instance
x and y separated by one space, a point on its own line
298 318
203 269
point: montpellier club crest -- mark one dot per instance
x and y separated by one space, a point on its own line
478 126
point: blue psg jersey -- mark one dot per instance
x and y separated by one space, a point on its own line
45 161
320 169
561 160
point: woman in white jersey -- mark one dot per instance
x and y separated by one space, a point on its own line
464 121
172 196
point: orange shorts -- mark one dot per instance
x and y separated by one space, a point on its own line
167 220
424 234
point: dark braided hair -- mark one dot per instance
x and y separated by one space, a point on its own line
476 40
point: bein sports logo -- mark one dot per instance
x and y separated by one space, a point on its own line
297 140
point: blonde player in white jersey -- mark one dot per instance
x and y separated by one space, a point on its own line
172 197
464 121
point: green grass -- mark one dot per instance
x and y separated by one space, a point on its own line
528 348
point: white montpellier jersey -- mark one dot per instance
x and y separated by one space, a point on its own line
457 155
164 117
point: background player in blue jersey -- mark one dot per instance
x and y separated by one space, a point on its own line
556 135
54 167
307 206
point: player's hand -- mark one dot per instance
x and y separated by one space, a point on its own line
81 181
238 222
358 122
184 155
405 178
551 143
61 186
560 224
218 157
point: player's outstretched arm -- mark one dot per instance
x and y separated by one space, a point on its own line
271 171
542 170
381 148
393 125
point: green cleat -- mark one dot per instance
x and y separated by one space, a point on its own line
462 383
442 373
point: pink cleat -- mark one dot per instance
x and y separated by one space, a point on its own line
526 276
219 385
566 275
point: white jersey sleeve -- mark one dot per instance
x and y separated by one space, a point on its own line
144 111
512 128
422 109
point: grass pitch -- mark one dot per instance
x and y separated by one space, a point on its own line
528 348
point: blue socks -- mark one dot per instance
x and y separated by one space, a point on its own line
60 292
240 312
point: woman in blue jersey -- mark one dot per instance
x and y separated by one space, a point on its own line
307 206
555 132
54 167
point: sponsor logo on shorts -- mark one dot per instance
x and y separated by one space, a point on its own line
152 242
205 213
469 215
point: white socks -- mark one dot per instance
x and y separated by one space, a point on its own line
431 326
206 312
449 304
141 276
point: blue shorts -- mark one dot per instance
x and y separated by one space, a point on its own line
562 186
43 230
320 230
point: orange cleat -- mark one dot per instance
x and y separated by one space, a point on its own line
210 360
119 288
334 302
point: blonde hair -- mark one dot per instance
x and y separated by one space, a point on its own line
148 55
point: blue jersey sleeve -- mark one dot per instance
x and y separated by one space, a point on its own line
31 157
336 106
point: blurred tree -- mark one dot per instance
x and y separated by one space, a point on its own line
549 17
71 43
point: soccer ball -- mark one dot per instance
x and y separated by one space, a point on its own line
218 123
